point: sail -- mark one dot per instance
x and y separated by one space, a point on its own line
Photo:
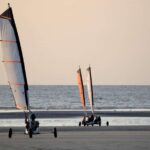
90 89
13 59
81 88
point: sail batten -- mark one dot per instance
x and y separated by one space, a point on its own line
4 17
13 59
15 83
8 41
90 88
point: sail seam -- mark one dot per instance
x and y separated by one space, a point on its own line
11 61
11 82
4 17
11 41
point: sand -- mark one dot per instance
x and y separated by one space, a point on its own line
72 113
79 138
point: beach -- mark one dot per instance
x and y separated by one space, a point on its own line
128 136
73 138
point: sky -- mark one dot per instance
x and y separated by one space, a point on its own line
57 36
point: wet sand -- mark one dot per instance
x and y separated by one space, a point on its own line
73 138
72 113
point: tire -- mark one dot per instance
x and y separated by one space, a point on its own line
10 133
79 124
55 133
30 133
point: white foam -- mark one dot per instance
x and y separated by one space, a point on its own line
77 110
113 121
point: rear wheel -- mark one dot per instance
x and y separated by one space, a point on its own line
10 133
55 132
30 133
99 123
79 124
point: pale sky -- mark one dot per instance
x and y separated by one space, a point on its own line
57 36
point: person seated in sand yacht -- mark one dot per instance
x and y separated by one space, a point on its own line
97 120
91 118
31 124
34 124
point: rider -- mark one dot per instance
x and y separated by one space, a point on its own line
31 123
91 118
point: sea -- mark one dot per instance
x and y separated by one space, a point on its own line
66 97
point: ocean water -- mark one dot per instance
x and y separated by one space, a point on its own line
51 97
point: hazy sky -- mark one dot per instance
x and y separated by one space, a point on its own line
57 36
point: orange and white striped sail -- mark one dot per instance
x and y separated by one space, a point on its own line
90 88
13 59
81 88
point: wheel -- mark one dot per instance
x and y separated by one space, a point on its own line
100 123
30 133
10 133
79 124
55 132
107 123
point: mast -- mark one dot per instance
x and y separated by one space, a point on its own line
90 89
81 89
13 59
